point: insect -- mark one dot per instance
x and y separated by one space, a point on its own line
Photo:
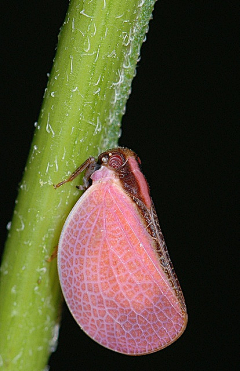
114 267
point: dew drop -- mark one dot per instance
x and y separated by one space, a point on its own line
9 226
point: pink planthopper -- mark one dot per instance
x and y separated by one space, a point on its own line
114 268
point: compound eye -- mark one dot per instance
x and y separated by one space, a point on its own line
115 160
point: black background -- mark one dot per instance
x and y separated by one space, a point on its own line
182 119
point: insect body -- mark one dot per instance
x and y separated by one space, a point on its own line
114 268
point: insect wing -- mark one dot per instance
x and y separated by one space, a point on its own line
111 276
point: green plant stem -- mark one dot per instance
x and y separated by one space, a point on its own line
84 101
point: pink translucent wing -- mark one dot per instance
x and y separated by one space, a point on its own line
111 276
